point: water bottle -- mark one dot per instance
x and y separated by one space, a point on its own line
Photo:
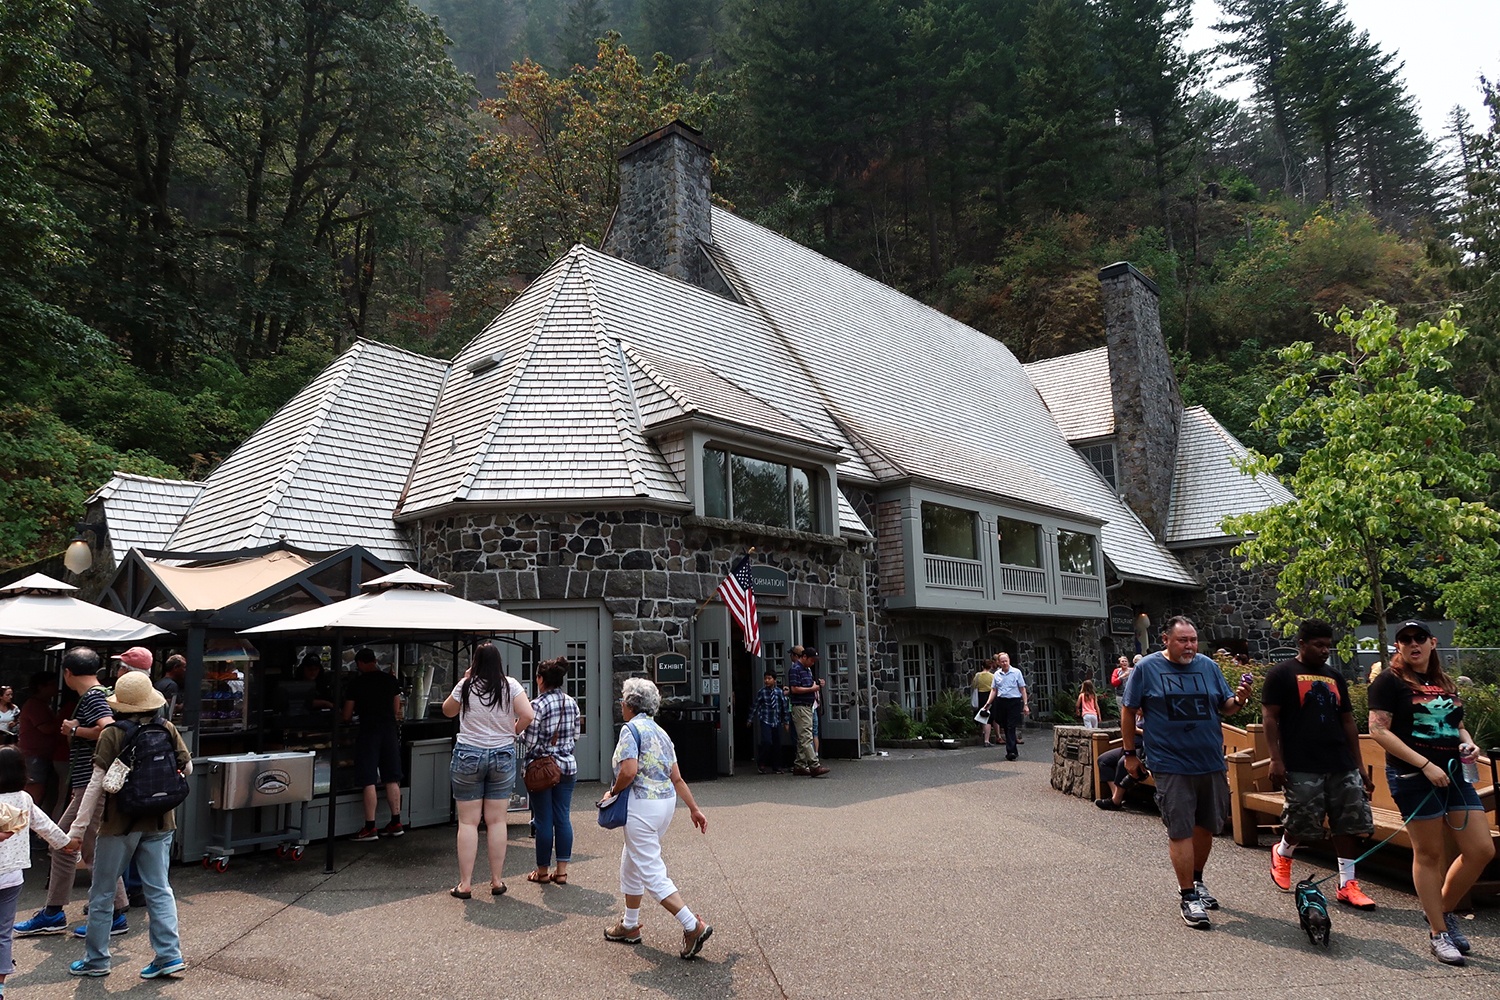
1470 760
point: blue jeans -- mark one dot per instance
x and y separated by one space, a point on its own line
477 773
550 810
768 751
152 853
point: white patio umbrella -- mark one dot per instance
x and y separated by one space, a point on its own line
400 604
39 607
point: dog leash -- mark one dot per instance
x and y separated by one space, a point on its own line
1431 793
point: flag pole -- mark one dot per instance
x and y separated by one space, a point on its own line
710 598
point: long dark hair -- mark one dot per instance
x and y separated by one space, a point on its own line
486 678
12 770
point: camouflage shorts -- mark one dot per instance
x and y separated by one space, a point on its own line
1339 796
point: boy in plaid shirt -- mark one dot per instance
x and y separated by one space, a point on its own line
771 710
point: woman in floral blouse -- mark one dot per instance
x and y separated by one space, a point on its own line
646 762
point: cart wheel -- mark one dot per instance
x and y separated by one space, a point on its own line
296 853
281 851
207 861
221 865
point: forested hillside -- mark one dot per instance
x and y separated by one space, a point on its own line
201 203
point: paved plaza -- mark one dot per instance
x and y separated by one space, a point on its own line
920 874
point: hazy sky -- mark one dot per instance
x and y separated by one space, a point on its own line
1446 45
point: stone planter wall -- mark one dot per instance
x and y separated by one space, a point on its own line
1072 759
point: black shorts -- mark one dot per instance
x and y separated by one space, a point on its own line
377 757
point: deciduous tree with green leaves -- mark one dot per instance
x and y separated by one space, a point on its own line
1379 497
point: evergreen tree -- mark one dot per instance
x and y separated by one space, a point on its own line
1150 79
1063 132
817 87
583 26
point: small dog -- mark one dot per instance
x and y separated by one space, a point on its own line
1312 912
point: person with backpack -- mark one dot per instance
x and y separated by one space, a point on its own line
89 719
139 821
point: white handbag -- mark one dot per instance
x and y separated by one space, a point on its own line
114 778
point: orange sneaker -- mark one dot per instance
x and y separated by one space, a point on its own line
1281 871
1352 895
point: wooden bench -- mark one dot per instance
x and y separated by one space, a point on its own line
1254 806
1236 740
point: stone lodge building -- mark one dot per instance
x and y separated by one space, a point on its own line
645 413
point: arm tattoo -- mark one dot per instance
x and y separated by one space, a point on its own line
1380 721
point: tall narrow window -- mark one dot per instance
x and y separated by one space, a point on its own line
715 483
761 491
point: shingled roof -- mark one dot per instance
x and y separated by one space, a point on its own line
326 470
141 512
1076 389
1206 486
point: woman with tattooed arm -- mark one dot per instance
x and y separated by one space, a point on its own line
1417 716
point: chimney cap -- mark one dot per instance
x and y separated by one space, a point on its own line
674 127
1122 268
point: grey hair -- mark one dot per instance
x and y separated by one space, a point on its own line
641 695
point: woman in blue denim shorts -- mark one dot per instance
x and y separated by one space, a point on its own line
491 709
1417 716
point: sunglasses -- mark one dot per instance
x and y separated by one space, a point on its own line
1409 638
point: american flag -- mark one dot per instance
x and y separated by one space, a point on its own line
740 597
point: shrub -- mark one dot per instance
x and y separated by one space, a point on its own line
951 716
895 724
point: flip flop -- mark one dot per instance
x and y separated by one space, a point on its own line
533 876
458 893
498 890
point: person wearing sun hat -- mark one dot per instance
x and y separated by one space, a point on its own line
147 839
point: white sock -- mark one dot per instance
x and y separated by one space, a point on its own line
632 917
1346 871
1284 849
686 918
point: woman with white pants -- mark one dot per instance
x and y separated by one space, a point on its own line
645 761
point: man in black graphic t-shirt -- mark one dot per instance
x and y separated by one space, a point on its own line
1315 755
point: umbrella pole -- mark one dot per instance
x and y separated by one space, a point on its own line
337 663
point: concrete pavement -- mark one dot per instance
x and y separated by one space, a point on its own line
921 874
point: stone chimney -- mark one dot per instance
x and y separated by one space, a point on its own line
1147 404
663 220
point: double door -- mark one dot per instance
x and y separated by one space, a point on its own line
729 675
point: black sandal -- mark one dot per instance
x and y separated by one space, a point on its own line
498 890
458 893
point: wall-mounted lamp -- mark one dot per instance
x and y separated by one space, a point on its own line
79 557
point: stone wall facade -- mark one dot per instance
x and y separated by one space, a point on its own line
650 569
1235 604
663 220
1147 404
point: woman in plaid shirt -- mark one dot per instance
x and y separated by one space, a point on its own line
554 731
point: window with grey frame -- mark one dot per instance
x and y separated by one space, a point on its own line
949 531
759 491
1101 455
1075 552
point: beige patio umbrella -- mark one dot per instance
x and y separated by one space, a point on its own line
39 607
401 604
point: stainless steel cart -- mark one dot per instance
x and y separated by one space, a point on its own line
244 790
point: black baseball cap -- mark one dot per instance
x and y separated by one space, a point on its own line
810 651
1416 626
